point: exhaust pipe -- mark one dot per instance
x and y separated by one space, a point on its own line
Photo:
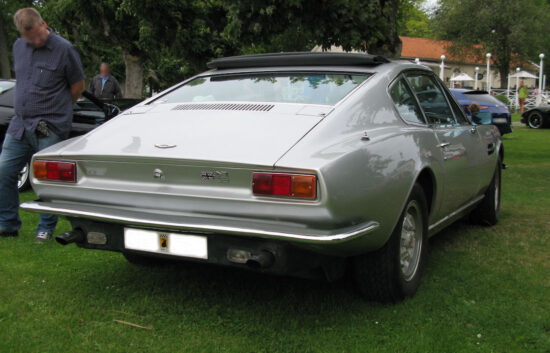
264 259
73 236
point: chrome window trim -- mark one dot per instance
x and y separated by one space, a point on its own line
451 97
437 82
389 87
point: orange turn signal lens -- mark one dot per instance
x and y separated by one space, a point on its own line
303 186
39 169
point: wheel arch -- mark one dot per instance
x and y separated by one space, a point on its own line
426 179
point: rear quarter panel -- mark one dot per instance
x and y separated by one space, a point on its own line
367 179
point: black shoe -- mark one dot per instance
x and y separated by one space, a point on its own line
9 234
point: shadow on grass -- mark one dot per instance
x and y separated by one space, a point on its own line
207 285
195 288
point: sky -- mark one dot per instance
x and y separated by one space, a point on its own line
430 4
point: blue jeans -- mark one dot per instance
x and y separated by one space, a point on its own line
15 154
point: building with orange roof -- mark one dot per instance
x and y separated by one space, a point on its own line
428 52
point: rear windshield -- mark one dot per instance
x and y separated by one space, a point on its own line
482 98
309 88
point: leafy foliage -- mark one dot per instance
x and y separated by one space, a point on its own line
278 25
502 98
414 20
509 29
173 39
8 33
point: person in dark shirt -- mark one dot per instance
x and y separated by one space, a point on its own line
49 80
105 85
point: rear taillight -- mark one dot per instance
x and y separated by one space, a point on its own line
483 107
301 186
55 171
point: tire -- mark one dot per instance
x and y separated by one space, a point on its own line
387 275
535 120
487 212
142 260
23 180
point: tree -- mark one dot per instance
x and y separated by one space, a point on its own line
164 41
8 32
279 25
414 20
98 26
508 29
144 33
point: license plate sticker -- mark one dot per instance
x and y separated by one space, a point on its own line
166 243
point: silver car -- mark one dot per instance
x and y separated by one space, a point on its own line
307 164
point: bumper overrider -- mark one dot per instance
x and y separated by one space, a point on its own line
271 246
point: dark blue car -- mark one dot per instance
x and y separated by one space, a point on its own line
500 113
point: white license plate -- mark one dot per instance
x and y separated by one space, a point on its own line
166 243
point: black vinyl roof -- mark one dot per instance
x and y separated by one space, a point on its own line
297 59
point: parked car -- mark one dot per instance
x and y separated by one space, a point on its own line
537 118
289 163
500 112
88 113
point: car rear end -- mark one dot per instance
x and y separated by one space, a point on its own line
180 178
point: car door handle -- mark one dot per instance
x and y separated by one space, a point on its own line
444 144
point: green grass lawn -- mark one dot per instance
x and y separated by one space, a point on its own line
516 117
484 290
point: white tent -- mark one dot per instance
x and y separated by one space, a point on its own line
523 74
462 77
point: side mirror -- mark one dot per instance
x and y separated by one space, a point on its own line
482 118
110 110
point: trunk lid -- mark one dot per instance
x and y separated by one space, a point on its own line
194 132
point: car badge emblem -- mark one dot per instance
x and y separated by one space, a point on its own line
216 176
163 242
164 146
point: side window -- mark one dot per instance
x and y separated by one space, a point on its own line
432 99
405 102
459 113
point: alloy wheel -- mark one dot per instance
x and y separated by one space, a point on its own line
411 240
535 121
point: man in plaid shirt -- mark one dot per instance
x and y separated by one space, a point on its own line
49 80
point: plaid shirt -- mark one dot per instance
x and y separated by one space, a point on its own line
43 91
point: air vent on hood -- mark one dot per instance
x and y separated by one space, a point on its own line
225 106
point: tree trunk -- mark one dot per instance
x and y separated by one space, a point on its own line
5 71
503 77
390 47
133 86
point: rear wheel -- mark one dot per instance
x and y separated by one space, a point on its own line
535 120
393 272
488 210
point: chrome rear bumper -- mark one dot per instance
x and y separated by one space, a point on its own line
291 232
